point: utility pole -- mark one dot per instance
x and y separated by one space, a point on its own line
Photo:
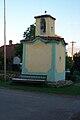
4 40
72 48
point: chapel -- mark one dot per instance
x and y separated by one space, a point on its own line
44 55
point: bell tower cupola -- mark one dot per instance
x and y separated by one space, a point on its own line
45 25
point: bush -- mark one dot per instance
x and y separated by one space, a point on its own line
68 76
76 75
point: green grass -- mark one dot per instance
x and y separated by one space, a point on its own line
9 72
71 90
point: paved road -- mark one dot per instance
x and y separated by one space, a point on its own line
20 105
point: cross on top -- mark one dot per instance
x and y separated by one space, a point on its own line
45 11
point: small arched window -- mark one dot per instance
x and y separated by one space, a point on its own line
42 26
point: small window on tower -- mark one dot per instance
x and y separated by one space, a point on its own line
52 29
42 26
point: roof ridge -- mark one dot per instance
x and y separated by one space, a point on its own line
49 38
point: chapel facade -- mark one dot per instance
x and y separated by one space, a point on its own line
44 54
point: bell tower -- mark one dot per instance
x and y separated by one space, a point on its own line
45 25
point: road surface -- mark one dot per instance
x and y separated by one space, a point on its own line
21 105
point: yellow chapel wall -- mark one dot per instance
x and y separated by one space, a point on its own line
60 58
49 24
38 57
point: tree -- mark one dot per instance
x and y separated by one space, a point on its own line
30 32
1 57
18 50
77 61
69 62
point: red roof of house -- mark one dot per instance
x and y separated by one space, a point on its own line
10 50
48 38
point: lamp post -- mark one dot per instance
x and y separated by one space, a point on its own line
4 40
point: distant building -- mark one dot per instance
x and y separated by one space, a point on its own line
44 54
10 50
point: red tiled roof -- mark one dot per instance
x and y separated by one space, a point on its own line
28 39
48 38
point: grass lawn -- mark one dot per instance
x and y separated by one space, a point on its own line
71 90
9 72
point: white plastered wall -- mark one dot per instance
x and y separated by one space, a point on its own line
38 57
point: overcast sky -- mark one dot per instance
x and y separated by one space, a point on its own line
20 15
